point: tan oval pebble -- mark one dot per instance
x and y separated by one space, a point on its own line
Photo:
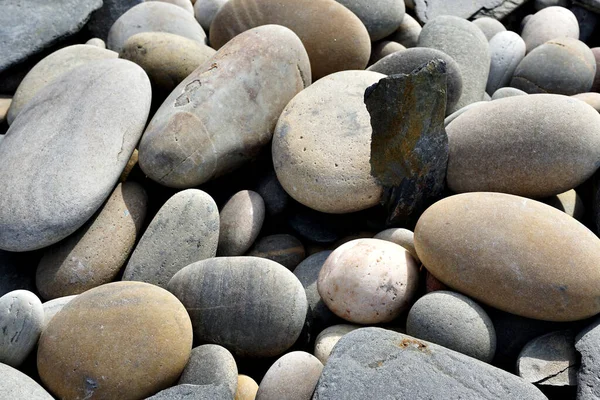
123 340
328 338
4 106
94 254
334 38
536 146
283 248
133 160
400 236
323 161
368 281
167 58
293 376
246 388
50 68
512 253
241 219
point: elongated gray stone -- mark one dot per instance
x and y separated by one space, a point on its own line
185 230
374 363
63 154
15 385
409 147
507 49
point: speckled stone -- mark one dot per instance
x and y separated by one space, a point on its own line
549 24
328 338
147 330
335 39
507 49
206 10
407 33
282 248
510 241
241 219
455 322
246 388
94 254
252 306
489 26
381 18
154 16
292 377
185 230
18 386
211 364
400 236
333 175
21 323
368 281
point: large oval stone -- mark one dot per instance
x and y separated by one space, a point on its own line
334 37
252 306
223 113
512 253
548 24
122 340
16 386
535 146
63 154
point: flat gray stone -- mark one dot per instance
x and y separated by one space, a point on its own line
15 385
27 27
185 230
194 392
63 154
501 10
211 364
587 343
21 323
374 363
102 19
507 49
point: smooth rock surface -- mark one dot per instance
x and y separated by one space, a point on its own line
596 84
50 68
154 16
185 4
246 388
489 26
408 32
426 10
52 307
94 254
512 260
54 178
185 230
549 24
381 18
562 66
507 92
507 49
368 281
97 42
206 10
467 45
193 392
546 146
332 175
167 58
400 236
500 9
5 102
335 39
453 321
103 19
194 137
211 364
383 49
274 196
292 377
587 344
18 386
591 98
241 219
377 363
328 338
21 323
282 248
252 306
27 27
146 328
569 202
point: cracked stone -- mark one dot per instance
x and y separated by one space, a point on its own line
409 147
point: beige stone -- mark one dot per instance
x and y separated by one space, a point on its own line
4 106
328 338
400 236
591 98
241 219
293 376
569 202
246 388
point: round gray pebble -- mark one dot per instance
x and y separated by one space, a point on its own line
241 219
211 364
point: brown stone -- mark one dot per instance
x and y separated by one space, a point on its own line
246 388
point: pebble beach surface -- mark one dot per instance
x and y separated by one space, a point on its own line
299 200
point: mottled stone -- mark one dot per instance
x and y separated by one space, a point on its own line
383 49
206 10
246 388
282 248
501 10
455 322
494 246
549 360
409 147
193 392
292 377
569 202
549 24
167 58
400 236
328 338
507 49
27 27
185 230
52 67
53 178
368 281
507 92
252 306
547 146
94 254
241 219
193 137
52 307
489 26
103 19
211 364
467 45
381 18
154 16
21 323
407 33
18 386
122 340
413 59
376 363
333 175
335 39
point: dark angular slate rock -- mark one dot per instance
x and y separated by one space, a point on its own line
374 363
26 27
102 19
194 392
409 148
